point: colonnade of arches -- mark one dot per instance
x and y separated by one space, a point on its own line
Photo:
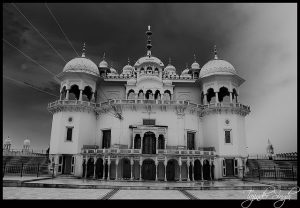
223 95
75 93
149 70
148 169
149 95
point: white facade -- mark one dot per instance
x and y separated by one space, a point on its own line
148 122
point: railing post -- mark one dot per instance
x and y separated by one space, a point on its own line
38 167
22 170
275 172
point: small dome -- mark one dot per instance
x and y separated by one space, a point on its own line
103 64
113 71
7 140
217 66
81 64
184 72
147 59
27 142
195 65
128 69
170 69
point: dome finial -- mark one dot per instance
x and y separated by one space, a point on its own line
194 57
215 52
149 45
103 56
83 50
128 61
169 60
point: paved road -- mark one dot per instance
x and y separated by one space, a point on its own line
65 193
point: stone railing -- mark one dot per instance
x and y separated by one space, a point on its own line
98 106
139 151
20 152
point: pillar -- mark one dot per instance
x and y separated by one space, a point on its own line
202 169
103 168
117 162
180 163
165 163
230 97
156 145
86 162
133 135
217 97
156 164
80 95
60 95
108 171
94 177
141 144
210 165
205 99
67 96
93 97
188 170
141 163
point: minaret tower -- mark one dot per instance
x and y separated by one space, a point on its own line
149 45
223 115
74 118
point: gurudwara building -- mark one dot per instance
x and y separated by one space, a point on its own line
148 122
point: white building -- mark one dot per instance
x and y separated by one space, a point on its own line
148 123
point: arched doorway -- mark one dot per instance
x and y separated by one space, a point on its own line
90 168
148 170
206 170
126 168
149 143
197 170
99 168
171 168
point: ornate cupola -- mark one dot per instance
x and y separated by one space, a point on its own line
78 79
103 66
170 70
220 81
195 68
7 143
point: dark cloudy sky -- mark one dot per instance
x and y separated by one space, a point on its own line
258 39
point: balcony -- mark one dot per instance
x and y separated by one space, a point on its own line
139 152
187 104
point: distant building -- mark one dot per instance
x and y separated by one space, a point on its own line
148 122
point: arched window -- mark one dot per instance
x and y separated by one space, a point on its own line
131 94
74 92
234 95
137 141
210 94
141 94
142 70
156 71
167 95
161 142
149 94
157 95
224 95
87 94
63 93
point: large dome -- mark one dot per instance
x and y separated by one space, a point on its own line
149 59
217 66
81 64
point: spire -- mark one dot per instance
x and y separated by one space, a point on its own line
194 58
216 52
128 61
103 56
149 45
169 60
83 50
